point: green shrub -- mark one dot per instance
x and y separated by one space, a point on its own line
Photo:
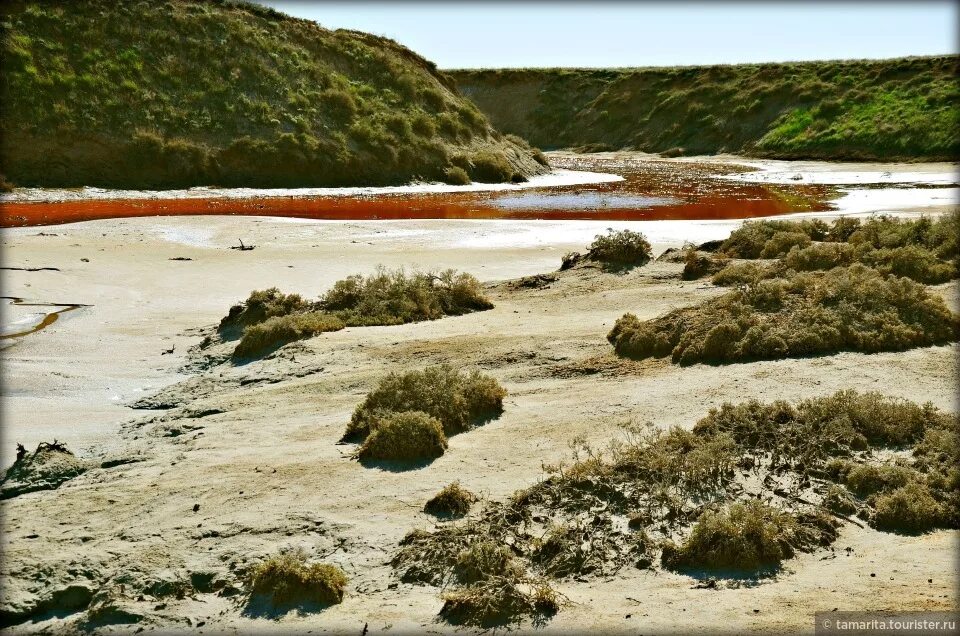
489 167
914 262
452 501
744 537
620 249
781 242
455 175
458 400
261 338
908 509
404 436
844 309
287 580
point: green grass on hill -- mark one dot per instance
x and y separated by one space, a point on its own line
133 94
861 109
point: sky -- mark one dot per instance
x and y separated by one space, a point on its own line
477 34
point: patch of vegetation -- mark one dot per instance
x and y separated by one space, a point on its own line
923 250
453 501
184 93
258 307
269 319
694 496
495 589
747 537
910 509
50 465
698 264
407 436
619 250
844 309
395 297
457 399
287 581
261 338
858 109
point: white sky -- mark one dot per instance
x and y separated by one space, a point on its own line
620 33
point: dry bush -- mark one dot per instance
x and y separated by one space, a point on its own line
404 436
258 307
269 319
696 264
620 250
394 297
263 337
782 242
569 260
838 500
844 309
452 501
457 399
910 509
743 537
288 580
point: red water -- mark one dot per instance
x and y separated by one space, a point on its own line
692 191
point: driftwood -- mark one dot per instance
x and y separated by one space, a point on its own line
242 247
32 269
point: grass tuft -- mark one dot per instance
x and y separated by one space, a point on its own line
287 580
452 501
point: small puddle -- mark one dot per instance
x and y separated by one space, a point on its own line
43 323
650 190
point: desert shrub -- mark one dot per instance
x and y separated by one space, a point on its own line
838 500
914 262
452 501
394 297
868 479
751 239
404 436
908 509
740 274
844 309
828 426
697 265
620 249
258 307
455 175
744 537
500 600
458 400
820 256
288 580
841 229
263 337
489 167
781 242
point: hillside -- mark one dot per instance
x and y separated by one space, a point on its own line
899 109
182 93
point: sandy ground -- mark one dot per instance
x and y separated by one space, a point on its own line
268 474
